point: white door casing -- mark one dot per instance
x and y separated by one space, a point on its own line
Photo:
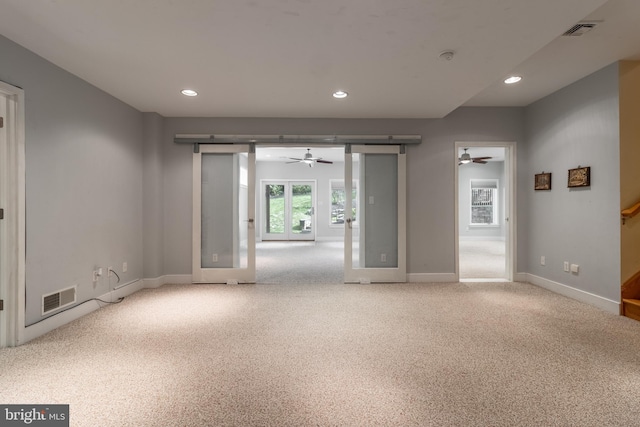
233 214
12 227
376 250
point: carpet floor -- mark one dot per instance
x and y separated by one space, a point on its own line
482 259
300 262
454 354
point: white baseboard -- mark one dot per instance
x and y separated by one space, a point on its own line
520 277
57 320
174 279
431 277
573 293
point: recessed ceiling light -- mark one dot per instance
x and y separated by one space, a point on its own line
189 92
513 79
340 94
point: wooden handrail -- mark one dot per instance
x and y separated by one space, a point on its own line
630 212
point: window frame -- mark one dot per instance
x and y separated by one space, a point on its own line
492 184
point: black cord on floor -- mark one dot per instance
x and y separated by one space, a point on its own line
118 301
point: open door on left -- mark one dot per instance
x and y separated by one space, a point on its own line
224 240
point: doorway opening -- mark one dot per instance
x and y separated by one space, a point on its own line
298 242
484 211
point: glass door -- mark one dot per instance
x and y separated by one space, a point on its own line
274 207
288 210
376 250
302 210
223 214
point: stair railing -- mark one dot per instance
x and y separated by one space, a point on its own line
630 212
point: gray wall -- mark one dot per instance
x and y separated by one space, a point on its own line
490 170
153 196
430 173
577 125
83 180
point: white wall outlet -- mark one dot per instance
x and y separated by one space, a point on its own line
383 257
124 267
575 268
566 266
543 260
371 200
214 258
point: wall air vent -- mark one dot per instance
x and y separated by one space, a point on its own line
581 28
58 299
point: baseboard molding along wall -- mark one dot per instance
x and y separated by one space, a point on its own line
41 328
57 320
174 279
576 294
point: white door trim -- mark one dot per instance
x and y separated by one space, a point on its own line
12 178
223 275
287 235
510 205
362 275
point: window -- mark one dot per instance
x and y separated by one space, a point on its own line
338 201
484 202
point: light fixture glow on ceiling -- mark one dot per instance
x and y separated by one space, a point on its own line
513 79
340 94
189 92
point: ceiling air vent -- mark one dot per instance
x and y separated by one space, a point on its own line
581 28
58 299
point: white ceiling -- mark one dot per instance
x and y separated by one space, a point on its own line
284 58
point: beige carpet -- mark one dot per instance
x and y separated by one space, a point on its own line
463 354
300 262
482 259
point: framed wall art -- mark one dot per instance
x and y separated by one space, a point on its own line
543 181
579 177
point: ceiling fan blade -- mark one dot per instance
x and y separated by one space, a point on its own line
295 161
479 161
324 161
482 158
460 163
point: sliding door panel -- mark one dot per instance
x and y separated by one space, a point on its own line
375 249
224 204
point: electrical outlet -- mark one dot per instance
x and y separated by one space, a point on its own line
566 266
543 260
214 257
575 268
383 257
124 267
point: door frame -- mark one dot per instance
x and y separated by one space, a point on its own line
224 275
510 215
380 275
288 184
13 249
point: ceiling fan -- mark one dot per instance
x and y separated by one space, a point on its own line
308 159
466 158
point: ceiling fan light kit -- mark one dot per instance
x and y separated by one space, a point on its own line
308 159
466 158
